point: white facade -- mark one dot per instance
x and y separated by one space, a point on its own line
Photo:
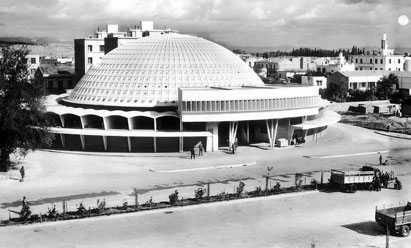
381 59
319 81
33 61
338 64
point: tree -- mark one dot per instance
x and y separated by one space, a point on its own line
336 91
387 86
23 124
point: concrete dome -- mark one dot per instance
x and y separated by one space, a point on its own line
149 71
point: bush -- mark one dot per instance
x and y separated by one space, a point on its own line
173 197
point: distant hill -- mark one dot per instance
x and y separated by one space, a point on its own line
49 40
17 40
31 41
43 46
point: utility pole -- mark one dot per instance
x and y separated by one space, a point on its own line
387 237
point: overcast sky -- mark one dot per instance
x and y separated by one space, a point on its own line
263 23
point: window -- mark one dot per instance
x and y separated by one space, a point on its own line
399 61
90 60
363 85
32 60
389 61
360 61
101 48
356 61
90 48
381 61
376 61
370 61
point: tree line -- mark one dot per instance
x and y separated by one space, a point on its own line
306 52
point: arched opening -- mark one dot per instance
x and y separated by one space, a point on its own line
71 121
116 122
142 122
93 121
168 123
53 119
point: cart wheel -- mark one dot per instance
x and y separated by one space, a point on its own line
353 188
371 188
405 231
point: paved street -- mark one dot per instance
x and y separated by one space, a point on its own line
327 219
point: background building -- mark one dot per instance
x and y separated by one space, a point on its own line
319 81
334 65
89 51
58 78
380 59
357 80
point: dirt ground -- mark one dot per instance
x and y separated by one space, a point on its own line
326 219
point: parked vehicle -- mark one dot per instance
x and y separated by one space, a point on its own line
398 219
365 178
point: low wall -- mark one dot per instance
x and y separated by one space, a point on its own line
343 106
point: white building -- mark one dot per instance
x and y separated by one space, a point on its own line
380 59
167 93
319 81
89 51
357 80
33 61
333 65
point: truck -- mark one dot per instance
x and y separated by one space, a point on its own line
366 177
396 219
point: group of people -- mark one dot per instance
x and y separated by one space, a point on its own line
297 140
193 152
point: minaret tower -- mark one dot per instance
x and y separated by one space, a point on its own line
384 44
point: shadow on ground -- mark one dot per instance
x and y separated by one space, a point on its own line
58 199
370 228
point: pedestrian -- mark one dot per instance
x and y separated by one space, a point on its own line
200 150
233 148
22 173
380 159
24 203
388 128
193 154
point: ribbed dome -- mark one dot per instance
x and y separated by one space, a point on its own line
149 71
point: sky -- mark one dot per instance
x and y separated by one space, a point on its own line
238 23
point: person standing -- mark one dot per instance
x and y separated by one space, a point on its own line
193 154
22 173
380 159
233 148
24 203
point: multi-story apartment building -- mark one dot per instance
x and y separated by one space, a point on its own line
382 59
89 51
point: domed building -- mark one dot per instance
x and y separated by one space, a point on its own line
170 92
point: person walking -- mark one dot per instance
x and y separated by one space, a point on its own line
22 173
200 150
193 154
233 148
